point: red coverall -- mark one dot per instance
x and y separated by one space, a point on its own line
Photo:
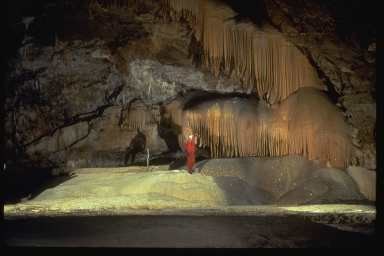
190 149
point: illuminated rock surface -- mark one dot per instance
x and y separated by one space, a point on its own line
122 189
119 207
151 190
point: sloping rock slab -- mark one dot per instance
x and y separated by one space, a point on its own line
324 186
288 180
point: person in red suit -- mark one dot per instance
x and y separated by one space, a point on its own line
190 149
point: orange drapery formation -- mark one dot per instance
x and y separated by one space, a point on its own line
306 123
263 60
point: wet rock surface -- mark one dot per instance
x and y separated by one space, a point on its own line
182 232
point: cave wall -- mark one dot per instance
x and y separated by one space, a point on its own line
84 77
338 37
72 97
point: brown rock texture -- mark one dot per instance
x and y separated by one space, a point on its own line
346 65
366 181
116 64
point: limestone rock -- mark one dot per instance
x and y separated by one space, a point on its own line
155 82
101 142
288 180
277 175
344 62
239 192
154 190
110 56
61 139
326 185
365 180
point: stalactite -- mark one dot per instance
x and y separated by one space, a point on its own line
139 116
306 123
260 59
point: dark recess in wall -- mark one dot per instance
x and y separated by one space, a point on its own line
14 30
194 98
254 11
355 19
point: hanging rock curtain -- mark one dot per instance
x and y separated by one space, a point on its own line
306 123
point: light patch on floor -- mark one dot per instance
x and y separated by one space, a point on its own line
135 191
332 208
116 190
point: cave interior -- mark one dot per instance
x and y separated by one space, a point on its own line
100 97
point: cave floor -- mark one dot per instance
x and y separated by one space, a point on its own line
134 207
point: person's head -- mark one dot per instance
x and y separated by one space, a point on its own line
190 136
187 132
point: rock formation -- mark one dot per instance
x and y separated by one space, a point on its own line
78 93
306 123
262 59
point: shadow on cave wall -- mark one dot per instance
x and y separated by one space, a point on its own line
169 131
137 145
